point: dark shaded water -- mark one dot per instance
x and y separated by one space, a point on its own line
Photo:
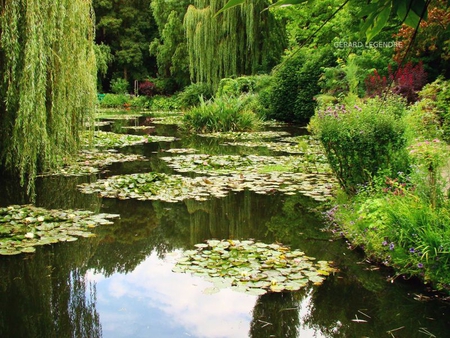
120 283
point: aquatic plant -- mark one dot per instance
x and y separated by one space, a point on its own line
253 267
174 188
103 139
23 227
91 161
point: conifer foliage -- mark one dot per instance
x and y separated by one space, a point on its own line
47 82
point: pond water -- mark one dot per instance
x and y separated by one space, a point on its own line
120 283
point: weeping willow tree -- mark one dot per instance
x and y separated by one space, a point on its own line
47 82
243 40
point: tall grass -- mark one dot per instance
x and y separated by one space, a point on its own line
221 115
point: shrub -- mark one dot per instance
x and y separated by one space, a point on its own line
402 231
236 87
166 103
375 84
192 94
115 100
363 140
408 80
296 84
147 88
221 115
437 95
120 86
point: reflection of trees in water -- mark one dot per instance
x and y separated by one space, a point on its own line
46 295
277 315
11 192
145 227
238 215
339 304
59 192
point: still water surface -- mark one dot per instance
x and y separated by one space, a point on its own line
121 284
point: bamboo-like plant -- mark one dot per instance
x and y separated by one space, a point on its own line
47 82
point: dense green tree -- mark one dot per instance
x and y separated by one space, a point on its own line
126 27
170 47
375 14
241 41
47 82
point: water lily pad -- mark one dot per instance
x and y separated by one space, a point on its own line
31 226
252 267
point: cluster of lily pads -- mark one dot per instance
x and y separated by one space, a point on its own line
23 227
174 188
91 161
174 119
229 164
104 139
253 267
254 135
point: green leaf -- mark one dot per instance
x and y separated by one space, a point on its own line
290 2
230 4
377 21
409 12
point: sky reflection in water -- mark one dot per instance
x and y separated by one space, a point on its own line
152 301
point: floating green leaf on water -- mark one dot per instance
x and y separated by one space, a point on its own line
91 161
103 139
181 150
254 268
29 226
246 135
175 188
172 119
138 127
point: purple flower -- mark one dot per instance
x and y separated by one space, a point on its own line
391 246
384 243
412 250
420 265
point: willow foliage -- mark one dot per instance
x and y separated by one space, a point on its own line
239 41
47 82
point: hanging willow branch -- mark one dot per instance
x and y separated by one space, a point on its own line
240 41
47 74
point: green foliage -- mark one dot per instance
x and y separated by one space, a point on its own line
115 100
120 86
47 82
240 41
376 13
401 230
126 27
437 95
164 103
296 85
103 58
221 115
362 140
192 94
170 47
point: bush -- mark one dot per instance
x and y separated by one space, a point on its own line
363 140
236 87
120 86
437 95
402 231
147 88
296 84
221 115
166 103
192 94
115 100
